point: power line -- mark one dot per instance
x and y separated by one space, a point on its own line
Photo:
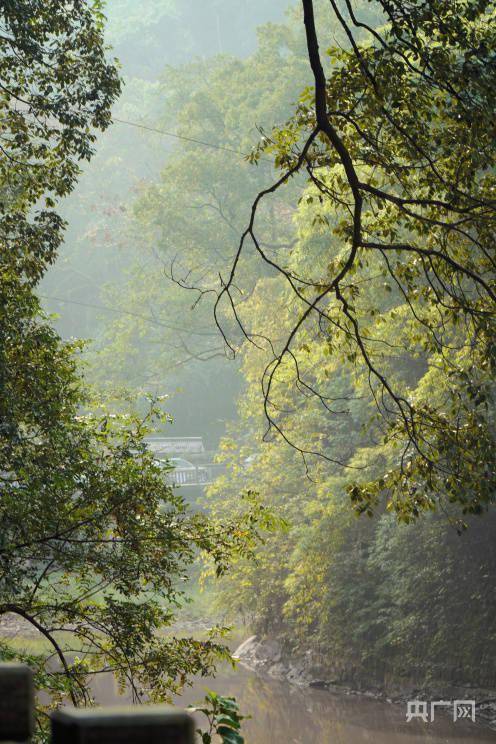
183 137
128 312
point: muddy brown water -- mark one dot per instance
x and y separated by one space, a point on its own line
285 714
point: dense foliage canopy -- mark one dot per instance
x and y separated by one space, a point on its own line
94 543
367 311
398 145
361 296
374 341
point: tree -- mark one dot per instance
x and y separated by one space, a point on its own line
374 599
397 142
330 583
182 227
56 89
93 542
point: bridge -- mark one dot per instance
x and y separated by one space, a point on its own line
192 464
199 475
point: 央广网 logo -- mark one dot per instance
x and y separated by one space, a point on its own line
421 709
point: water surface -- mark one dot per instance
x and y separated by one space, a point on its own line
284 714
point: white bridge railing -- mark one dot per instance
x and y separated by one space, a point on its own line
199 475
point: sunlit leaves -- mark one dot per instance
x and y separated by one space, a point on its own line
223 717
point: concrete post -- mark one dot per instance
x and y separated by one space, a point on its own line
147 724
16 702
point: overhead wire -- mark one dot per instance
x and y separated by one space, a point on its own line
185 138
174 135
147 319
111 309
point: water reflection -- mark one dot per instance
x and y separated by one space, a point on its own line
284 714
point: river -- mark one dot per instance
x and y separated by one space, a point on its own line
285 714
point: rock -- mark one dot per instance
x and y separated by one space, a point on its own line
298 675
12 626
272 651
246 648
278 670
313 670
320 684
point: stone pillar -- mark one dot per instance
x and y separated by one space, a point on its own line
146 724
16 702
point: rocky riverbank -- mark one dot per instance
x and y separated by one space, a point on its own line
14 626
267 656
